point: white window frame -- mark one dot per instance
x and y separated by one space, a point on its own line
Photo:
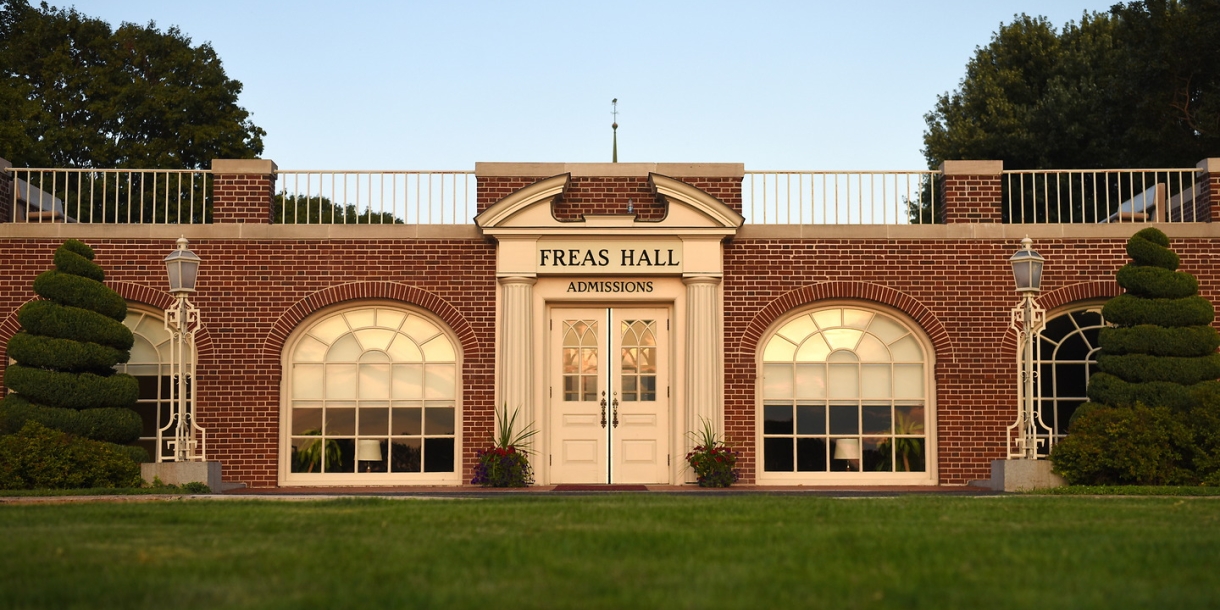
1048 431
927 477
289 478
155 319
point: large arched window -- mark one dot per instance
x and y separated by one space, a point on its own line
845 394
150 365
372 396
1065 357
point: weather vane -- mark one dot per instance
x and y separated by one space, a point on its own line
614 126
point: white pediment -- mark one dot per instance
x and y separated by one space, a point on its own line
689 210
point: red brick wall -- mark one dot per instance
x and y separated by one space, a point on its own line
965 198
959 292
254 292
607 195
248 288
242 198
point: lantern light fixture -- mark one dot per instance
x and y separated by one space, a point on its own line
182 266
1027 267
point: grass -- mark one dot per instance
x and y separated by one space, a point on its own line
616 551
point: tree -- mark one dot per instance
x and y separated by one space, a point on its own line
1156 387
316 209
1136 87
75 93
70 342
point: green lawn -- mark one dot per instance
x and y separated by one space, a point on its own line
616 551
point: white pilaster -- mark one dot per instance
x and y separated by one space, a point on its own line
516 359
704 388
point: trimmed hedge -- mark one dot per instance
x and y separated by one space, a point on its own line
77 291
1141 368
79 247
1150 247
1134 445
71 258
1109 390
74 390
1157 282
64 354
1160 341
38 457
51 319
114 425
1131 310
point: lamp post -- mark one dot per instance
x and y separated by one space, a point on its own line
182 322
1027 320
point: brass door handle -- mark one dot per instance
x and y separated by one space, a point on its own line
604 410
616 409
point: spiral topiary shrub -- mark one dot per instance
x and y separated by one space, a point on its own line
1150 416
70 342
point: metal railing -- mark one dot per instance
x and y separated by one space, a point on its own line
131 196
856 197
374 197
1102 196
119 196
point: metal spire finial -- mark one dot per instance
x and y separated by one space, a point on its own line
614 126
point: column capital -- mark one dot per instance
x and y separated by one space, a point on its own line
509 280
701 278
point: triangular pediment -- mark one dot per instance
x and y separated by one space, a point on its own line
688 208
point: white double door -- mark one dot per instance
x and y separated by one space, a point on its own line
609 388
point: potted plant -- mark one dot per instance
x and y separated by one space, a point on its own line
713 461
506 463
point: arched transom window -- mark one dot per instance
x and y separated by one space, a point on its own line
373 396
845 390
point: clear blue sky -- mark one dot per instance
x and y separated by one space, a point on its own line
811 85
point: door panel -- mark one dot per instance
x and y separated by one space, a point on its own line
610 396
579 446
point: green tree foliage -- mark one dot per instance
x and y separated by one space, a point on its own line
1138 86
313 210
1155 399
65 355
76 93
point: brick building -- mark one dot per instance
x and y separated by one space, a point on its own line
618 306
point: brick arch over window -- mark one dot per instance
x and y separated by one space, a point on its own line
805 295
1059 297
274 345
159 299
131 292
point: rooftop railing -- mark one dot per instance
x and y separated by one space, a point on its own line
138 196
840 198
120 196
1102 196
374 197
